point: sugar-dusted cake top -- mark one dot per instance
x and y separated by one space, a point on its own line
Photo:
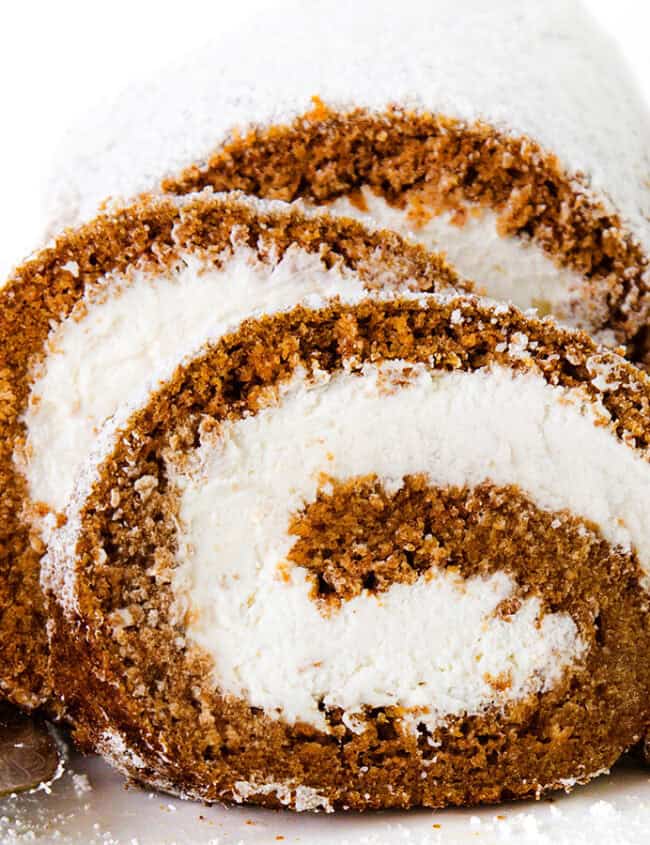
544 70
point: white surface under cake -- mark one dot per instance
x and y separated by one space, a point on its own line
90 806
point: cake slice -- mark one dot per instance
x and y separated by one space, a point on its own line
382 549
509 135
113 307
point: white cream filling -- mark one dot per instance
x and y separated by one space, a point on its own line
508 268
135 335
434 644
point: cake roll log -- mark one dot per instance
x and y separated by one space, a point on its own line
510 135
113 307
383 552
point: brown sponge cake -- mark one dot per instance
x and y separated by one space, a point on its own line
114 306
384 549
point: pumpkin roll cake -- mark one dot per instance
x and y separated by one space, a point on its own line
111 309
527 164
388 549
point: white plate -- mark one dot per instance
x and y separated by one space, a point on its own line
90 805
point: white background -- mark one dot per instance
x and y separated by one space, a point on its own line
59 58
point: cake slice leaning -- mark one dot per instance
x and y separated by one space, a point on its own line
113 307
387 549
509 135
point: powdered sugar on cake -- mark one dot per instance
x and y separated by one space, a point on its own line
433 57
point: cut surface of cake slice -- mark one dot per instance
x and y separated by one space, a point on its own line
388 550
113 307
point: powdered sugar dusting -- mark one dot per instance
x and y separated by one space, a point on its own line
115 748
436 56
301 798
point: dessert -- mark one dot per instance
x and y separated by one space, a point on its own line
528 167
376 551
289 515
114 307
